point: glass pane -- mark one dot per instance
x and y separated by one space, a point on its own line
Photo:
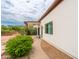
49 28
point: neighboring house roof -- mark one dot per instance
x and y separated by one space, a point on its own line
26 22
50 8
31 22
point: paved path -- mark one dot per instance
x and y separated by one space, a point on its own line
37 52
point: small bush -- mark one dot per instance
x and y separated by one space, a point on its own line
11 29
19 29
6 30
19 46
32 31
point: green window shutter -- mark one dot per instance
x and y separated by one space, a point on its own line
49 28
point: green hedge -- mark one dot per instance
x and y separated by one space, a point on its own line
11 29
32 31
19 46
20 29
6 29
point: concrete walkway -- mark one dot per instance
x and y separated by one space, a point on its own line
37 52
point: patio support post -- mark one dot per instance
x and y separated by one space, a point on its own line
37 31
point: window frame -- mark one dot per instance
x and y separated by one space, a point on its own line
49 30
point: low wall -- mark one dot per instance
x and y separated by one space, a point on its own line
7 34
53 52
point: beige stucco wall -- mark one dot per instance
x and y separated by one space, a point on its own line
31 24
64 18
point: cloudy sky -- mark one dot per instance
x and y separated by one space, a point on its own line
15 12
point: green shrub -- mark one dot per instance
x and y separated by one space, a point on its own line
32 31
10 29
20 29
19 46
6 29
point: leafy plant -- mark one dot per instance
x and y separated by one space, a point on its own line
20 29
6 29
32 31
10 29
19 46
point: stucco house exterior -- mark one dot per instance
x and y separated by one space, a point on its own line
33 24
58 30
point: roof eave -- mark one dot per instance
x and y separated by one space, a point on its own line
57 2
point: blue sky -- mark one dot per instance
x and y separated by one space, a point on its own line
15 12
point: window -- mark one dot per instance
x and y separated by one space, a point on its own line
49 28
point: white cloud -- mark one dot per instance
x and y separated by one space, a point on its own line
25 9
